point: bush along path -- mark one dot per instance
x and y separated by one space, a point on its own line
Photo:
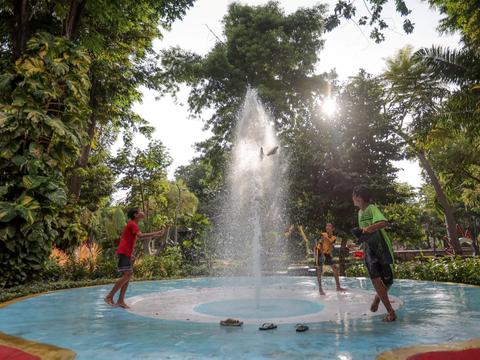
455 270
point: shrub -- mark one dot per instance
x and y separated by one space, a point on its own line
357 271
39 141
297 244
454 269
195 270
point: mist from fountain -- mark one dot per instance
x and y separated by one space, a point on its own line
254 208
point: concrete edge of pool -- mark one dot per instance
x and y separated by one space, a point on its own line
405 353
46 351
43 351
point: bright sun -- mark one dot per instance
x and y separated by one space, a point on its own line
329 106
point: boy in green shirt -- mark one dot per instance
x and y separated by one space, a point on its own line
377 249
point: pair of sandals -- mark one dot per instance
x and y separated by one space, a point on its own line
266 326
269 326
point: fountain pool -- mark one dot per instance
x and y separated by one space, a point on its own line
340 325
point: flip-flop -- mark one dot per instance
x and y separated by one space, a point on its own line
268 326
301 327
231 322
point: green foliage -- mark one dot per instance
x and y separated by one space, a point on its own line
194 177
331 155
263 48
404 224
460 16
357 271
162 265
297 245
453 144
42 130
348 11
192 237
190 270
144 173
188 203
85 269
115 227
98 182
454 270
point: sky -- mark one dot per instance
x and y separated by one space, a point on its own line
347 49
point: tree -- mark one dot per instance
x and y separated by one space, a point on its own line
333 154
456 154
348 11
297 245
144 173
118 36
404 219
414 93
194 177
262 48
39 140
98 184
460 16
188 203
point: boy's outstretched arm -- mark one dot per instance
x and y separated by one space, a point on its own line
377 226
148 235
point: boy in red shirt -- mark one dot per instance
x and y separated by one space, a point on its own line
125 256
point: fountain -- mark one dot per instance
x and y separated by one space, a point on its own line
256 184
180 319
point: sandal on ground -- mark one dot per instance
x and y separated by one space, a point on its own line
268 326
301 327
231 322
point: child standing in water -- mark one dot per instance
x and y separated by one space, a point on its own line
324 247
377 250
125 256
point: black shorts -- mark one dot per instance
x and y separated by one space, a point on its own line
379 269
329 260
124 263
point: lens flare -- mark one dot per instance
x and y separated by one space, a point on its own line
329 106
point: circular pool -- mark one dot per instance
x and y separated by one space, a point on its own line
179 319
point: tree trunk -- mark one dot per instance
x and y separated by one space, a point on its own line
21 14
443 201
74 18
427 234
75 186
163 241
146 246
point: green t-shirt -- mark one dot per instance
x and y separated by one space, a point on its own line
378 245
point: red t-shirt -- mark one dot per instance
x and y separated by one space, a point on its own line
128 239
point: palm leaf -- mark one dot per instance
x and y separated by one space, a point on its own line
451 65
118 220
110 230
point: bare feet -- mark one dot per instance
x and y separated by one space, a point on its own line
390 317
109 301
322 292
341 289
122 305
375 303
